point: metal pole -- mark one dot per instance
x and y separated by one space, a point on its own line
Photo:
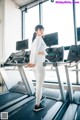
23 25
75 36
62 90
69 84
28 83
40 14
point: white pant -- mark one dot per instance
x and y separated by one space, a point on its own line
39 72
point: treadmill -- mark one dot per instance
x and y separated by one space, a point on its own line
20 91
73 110
24 109
16 93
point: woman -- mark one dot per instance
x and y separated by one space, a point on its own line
37 57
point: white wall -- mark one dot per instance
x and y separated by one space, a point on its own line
10 25
1 28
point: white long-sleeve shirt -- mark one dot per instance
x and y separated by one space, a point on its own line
38 45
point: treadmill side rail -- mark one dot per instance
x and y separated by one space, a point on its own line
12 102
52 111
70 113
61 86
21 103
69 84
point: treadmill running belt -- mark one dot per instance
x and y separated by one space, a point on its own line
7 97
26 112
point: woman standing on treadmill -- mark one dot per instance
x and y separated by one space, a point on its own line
37 57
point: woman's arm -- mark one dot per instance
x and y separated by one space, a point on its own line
35 52
30 65
35 49
33 65
41 53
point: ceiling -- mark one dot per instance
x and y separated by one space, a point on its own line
21 3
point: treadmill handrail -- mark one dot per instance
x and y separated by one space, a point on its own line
68 63
55 63
13 64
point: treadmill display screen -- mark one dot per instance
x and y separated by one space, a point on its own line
51 39
22 45
55 54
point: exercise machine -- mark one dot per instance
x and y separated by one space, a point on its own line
73 110
53 105
21 90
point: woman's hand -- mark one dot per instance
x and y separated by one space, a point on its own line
41 53
30 65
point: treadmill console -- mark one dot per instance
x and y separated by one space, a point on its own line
74 53
55 54
18 58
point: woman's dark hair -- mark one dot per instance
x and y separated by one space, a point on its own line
39 27
36 28
34 36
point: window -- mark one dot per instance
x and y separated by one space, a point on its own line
78 18
78 15
31 20
56 18
77 6
59 18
